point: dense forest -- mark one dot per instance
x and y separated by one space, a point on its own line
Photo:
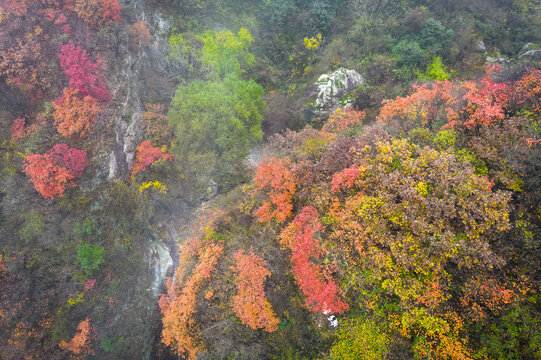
270 179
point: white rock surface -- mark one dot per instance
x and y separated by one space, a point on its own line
334 88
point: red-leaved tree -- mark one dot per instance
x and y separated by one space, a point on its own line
53 172
321 292
73 160
147 155
83 74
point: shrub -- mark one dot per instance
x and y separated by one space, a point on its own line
90 257
408 54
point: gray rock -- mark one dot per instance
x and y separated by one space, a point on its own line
332 90
532 55
526 48
501 60
480 47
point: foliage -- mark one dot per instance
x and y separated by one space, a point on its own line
360 339
73 160
178 306
146 155
434 37
408 54
250 304
80 346
226 52
90 257
274 177
436 71
157 126
83 74
98 13
313 42
343 119
156 185
75 114
319 288
49 180
216 123
140 34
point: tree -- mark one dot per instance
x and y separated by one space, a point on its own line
344 119
140 34
216 123
276 180
146 155
80 345
49 180
321 292
250 304
360 339
55 171
73 160
178 306
226 52
75 113
98 12
90 257
83 74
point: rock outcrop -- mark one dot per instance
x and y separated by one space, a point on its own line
332 90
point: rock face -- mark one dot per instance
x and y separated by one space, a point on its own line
333 90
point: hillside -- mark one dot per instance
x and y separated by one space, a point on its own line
278 179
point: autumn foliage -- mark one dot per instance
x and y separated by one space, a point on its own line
321 292
147 155
250 304
178 306
83 74
140 34
53 172
274 178
75 114
98 12
80 346
343 119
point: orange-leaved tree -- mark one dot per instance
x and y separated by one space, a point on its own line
250 304
75 114
53 172
274 178
178 306
147 155
80 346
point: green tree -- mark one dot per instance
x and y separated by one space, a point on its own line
226 52
216 123
408 54
359 339
90 257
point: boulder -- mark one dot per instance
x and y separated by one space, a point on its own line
534 55
481 47
526 48
332 90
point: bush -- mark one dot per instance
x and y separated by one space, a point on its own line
409 54
90 257
360 339
434 37
436 71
